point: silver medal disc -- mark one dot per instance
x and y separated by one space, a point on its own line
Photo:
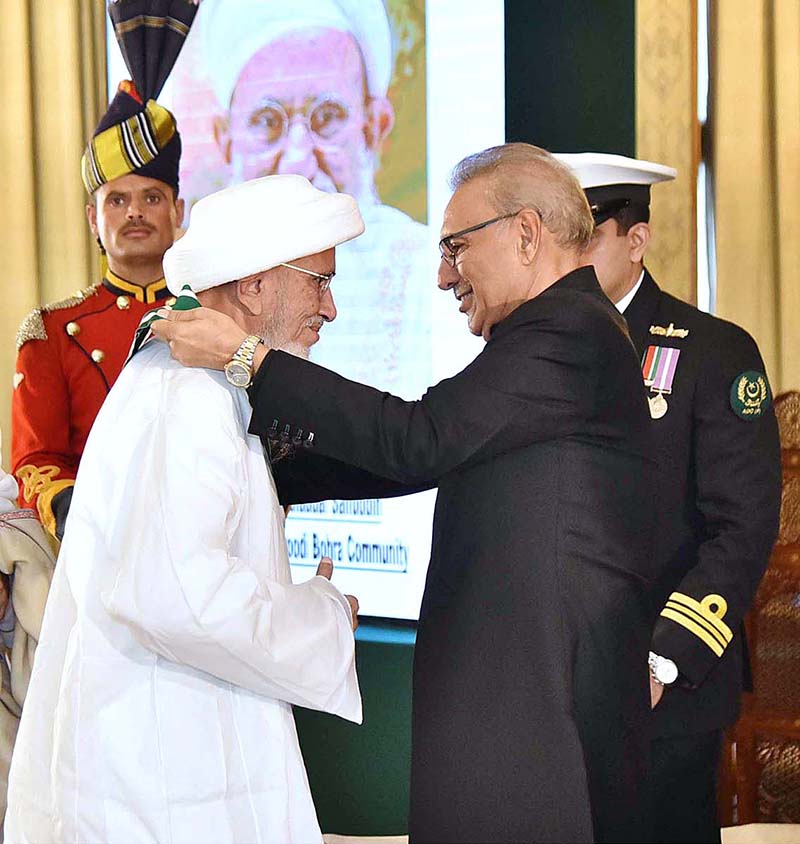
658 406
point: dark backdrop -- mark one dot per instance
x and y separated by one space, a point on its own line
570 67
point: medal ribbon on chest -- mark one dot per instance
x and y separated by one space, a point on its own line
658 368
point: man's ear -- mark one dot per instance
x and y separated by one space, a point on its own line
91 216
248 292
529 225
222 135
180 210
638 239
379 122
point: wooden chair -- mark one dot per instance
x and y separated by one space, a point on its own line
760 777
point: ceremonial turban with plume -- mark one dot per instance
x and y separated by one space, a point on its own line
136 134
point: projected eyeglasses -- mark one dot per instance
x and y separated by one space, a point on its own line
324 118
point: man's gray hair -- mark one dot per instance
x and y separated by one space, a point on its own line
524 176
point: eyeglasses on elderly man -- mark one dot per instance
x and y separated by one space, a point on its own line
324 279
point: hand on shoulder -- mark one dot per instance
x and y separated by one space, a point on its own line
199 337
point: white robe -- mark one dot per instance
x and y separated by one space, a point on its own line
173 641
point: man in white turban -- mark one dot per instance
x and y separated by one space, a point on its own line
174 642
302 88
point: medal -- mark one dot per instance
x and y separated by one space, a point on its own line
658 368
658 405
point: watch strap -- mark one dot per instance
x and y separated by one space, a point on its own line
247 350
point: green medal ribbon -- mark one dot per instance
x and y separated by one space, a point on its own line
186 301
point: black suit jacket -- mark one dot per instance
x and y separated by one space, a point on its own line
718 503
530 685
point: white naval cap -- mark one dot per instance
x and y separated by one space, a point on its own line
601 169
233 31
256 225
613 181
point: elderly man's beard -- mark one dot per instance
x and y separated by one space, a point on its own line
273 330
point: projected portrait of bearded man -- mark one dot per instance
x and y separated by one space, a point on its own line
302 88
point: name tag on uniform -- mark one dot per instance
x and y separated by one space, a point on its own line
658 368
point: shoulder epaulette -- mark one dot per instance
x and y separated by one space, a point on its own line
71 301
32 327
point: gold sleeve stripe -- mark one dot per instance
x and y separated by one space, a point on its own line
36 479
711 609
692 627
41 481
44 504
698 620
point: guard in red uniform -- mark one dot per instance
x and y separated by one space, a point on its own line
71 352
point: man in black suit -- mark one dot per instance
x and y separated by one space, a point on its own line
530 681
718 495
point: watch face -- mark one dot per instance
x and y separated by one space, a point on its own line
237 374
667 671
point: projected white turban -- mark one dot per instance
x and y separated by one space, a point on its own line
233 31
256 225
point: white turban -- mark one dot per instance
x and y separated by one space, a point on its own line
256 225
233 31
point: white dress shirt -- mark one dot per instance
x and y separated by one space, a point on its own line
628 297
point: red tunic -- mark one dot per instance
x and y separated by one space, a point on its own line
70 353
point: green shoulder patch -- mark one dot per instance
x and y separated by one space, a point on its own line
750 395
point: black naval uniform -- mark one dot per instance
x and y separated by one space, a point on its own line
530 682
719 502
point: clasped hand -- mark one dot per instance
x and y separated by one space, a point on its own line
325 569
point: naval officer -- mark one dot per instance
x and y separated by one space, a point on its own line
718 498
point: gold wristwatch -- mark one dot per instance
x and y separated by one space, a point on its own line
239 369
